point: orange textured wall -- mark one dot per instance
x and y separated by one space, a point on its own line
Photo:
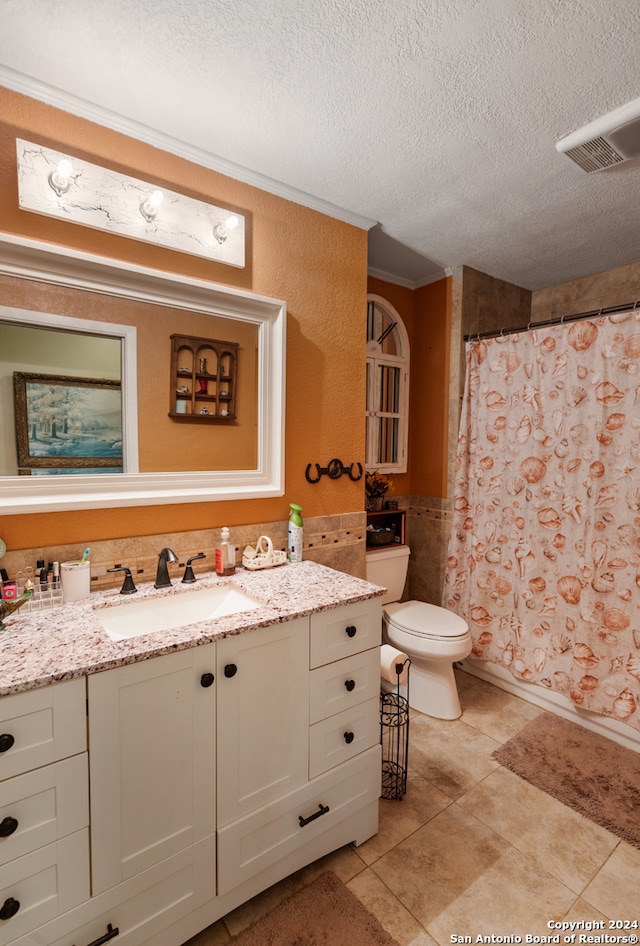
426 313
317 264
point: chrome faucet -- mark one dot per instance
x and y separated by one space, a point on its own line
162 575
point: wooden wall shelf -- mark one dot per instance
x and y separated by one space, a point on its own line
387 518
203 379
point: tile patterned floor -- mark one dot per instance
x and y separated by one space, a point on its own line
472 850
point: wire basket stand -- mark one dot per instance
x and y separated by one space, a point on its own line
394 737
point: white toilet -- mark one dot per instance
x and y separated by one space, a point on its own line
431 636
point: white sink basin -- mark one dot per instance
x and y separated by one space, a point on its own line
166 612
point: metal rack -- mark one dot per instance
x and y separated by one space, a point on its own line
394 736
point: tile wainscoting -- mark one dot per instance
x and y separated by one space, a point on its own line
428 524
336 541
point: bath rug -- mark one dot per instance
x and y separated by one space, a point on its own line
325 913
586 771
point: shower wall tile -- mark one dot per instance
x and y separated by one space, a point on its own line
602 290
428 526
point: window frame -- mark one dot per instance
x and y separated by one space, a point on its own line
376 359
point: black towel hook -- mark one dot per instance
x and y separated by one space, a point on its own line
334 470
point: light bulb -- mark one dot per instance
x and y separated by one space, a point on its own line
149 206
221 230
60 179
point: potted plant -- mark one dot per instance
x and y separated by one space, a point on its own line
377 485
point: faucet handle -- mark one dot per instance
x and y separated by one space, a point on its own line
189 577
128 587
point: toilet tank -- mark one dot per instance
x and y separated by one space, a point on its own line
387 567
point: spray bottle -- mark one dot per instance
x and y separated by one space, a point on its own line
295 534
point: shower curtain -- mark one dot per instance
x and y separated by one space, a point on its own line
544 555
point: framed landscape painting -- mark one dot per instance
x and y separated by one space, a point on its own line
67 424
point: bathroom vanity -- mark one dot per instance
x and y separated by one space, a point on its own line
151 785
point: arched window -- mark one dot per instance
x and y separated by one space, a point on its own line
387 388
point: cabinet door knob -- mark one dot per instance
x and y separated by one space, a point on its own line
7 826
9 908
348 738
6 741
351 630
206 680
230 670
349 684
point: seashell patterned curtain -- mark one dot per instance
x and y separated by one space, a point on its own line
544 554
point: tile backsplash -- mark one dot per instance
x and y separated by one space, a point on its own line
337 541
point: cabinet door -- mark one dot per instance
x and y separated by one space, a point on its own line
263 712
151 762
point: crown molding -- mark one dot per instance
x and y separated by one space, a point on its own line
408 283
74 105
443 274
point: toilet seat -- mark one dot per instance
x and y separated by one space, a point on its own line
427 621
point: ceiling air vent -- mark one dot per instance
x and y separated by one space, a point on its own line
607 141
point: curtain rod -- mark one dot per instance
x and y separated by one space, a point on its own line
492 333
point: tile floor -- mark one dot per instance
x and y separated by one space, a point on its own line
472 850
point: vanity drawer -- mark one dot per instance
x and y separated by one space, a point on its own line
42 726
254 843
42 806
343 631
45 884
341 685
342 737
142 909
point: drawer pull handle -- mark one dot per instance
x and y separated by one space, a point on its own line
351 630
111 932
6 741
206 680
350 685
230 670
322 810
348 738
9 908
7 826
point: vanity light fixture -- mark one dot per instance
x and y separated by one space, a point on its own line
221 230
60 179
149 207
129 207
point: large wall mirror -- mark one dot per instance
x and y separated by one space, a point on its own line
96 334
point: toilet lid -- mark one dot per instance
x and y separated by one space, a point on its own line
426 620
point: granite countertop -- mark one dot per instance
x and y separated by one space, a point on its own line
48 646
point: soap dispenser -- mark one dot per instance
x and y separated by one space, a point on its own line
225 555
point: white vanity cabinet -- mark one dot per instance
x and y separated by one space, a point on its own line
152 751
44 807
303 809
216 770
262 684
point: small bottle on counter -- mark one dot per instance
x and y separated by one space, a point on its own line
225 555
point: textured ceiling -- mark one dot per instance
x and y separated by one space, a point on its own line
437 119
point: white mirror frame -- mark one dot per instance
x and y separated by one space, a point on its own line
45 263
